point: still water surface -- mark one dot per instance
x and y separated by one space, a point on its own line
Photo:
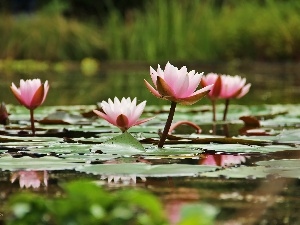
271 83
236 198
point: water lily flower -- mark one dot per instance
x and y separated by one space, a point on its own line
225 87
233 87
29 179
177 86
213 78
123 114
31 94
3 114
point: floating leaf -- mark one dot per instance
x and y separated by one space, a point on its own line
244 172
140 169
284 167
42 163
121 144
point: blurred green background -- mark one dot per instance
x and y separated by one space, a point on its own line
92 50
151 30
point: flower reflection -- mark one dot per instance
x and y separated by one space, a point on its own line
222 160
125 179
29 179
173 210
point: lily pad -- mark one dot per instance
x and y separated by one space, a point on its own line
88 157
42 163
238 148
284 167
121 144
141 169
60 148
239 172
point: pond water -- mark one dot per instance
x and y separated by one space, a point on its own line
271 83
233 174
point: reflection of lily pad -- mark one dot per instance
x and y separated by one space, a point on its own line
43 163
140 169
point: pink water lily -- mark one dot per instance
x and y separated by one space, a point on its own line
215 79
233 87
225 87
31 93
177 85
29 179
123 114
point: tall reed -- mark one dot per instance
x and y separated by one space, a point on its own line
201 30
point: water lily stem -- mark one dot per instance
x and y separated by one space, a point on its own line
168 125
32 122
226 109
213 102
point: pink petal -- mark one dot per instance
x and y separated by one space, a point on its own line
163 88
152 90
244 91
104 116
37 98
143 121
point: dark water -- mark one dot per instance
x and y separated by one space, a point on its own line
271 83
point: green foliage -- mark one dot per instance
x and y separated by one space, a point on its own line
86 203
202 30
193 214
45 37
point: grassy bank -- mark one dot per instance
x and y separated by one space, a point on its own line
194 30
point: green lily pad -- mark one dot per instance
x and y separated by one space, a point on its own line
121 144
238 148
60 148
88 157
239 172
141 169
42 163
284 167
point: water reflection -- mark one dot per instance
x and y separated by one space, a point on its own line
28 179
123 180
271 84
173 208
222 160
